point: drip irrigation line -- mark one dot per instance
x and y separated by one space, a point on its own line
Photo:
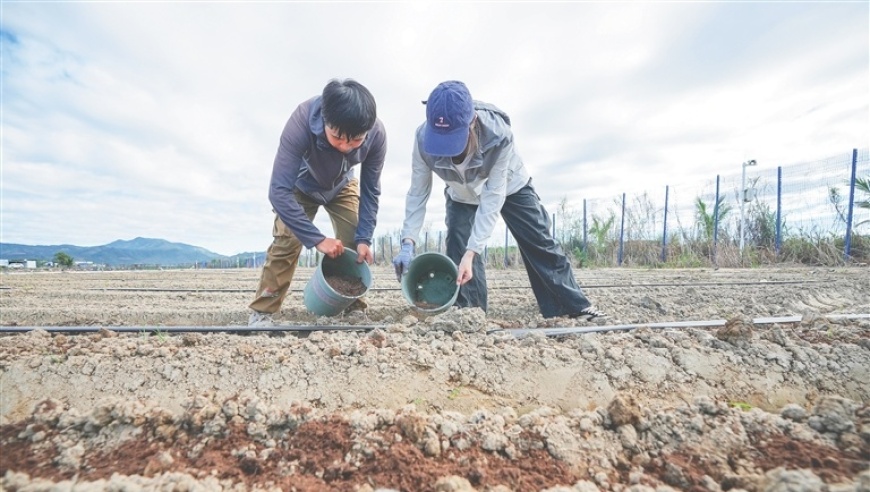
575 330
584 286
517 332
188 329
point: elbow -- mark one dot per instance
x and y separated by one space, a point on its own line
273 197
278 193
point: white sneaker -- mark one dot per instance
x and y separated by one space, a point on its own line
260 320
588 314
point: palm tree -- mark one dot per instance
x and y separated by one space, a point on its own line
599 230
704 218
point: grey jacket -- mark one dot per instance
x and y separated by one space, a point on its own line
494 172
306 162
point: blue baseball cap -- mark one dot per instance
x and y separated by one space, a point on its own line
449 113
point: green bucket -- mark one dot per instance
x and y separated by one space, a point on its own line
430 283
321 298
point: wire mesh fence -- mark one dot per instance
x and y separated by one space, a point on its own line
815 212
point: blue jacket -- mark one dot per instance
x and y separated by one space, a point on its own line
306 162
495 171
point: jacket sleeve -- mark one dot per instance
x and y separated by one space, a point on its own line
418 195
370 188
492 197
285 171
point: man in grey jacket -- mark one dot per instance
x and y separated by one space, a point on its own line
324 139
470 145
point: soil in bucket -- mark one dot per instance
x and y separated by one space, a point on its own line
336 283
346 285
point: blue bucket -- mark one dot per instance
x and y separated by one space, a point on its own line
430 283
320 298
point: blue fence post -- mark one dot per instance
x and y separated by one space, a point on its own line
778 210
439 241
391 248
621 231
426 241
847 248
715 221
665 229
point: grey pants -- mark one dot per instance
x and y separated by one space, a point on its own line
556 290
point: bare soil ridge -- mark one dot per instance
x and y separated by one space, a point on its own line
443 402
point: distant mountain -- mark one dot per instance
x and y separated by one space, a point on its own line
139 251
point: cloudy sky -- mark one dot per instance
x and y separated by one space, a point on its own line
161 119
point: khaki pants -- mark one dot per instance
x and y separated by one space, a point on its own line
283 254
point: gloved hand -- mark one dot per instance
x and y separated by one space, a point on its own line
403 260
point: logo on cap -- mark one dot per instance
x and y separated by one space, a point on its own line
439 122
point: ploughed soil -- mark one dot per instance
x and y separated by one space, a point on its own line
150 381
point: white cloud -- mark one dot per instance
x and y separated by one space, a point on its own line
162 119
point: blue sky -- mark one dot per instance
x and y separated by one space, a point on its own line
161 119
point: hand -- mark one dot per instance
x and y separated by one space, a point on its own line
330 247
403 260
466 265
364 253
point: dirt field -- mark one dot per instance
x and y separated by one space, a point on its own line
457 402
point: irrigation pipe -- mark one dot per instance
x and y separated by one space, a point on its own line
575 330
584 286
517 332
187 329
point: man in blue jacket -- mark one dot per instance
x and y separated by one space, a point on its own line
469 144
324 139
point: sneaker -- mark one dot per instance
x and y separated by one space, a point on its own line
260 320
588 314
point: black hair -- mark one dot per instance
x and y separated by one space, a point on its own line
348 107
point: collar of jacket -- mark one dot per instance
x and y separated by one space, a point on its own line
316 124
475 162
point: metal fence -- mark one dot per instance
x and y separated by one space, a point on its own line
757 213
